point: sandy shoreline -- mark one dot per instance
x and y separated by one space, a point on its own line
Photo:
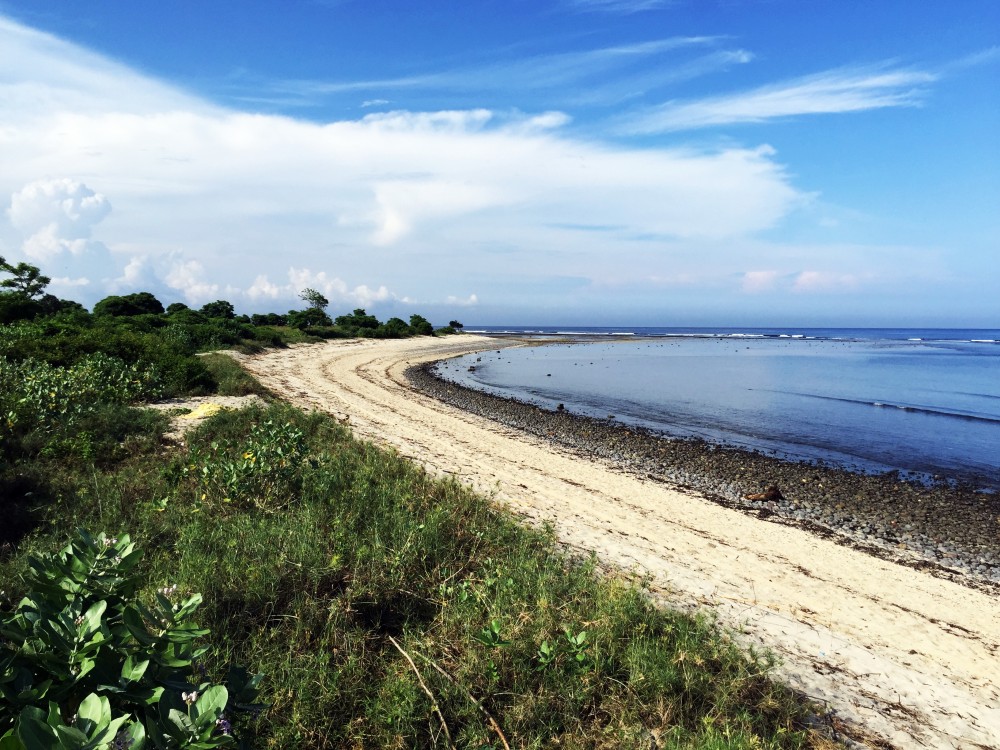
910 658
948 530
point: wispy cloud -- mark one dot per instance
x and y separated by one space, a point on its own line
209 201
830 92
619 6
617 68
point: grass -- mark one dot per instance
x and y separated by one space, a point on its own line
230 378
389 609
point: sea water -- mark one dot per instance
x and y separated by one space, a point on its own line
925 402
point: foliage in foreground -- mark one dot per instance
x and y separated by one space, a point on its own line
392 610
84 663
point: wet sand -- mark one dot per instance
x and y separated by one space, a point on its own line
902 656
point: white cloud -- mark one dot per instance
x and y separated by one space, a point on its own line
470 301
262 288
40 74
814 281
188 278
755 282
619 6
335 289
598 75
212 202
825 281
835 91
55 217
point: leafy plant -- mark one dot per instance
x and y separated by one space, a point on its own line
84 663
262 472
50 401
578 649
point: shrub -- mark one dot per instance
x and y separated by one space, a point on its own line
84 663
36 395
263 471
129 304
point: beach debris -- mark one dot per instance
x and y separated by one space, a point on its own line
770 495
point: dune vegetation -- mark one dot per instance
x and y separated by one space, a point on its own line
273 582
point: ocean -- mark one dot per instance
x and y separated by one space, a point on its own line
925 402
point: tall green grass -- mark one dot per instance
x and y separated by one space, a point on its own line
389 609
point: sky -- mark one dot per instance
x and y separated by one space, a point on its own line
547 162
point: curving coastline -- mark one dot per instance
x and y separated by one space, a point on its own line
949 531
899 657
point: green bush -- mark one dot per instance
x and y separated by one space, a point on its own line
263 471
35 396
84 663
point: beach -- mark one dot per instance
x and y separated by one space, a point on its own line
903 654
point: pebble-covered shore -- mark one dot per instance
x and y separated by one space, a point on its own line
950 531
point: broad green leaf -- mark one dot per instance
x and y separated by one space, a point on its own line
136 735
182 722
133 670
71 737
10 742
210 704
92 618
96 709
36 734
189 605
136 626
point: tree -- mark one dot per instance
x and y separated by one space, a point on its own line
140 303
421 326
358 319
307 318
270 319
218 309
176 307
456 325
28 281
393 328
316 300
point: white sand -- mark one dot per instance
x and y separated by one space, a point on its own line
897 653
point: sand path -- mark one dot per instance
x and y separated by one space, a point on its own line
905 658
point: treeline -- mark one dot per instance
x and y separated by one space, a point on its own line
383 608
137 329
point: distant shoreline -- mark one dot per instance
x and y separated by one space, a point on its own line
945 530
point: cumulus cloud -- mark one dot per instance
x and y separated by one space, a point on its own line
188 278
56 217
469 301
212 200
333 288
336 289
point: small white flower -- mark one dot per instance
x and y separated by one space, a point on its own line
191 697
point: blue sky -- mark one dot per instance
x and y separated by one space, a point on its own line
684 162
